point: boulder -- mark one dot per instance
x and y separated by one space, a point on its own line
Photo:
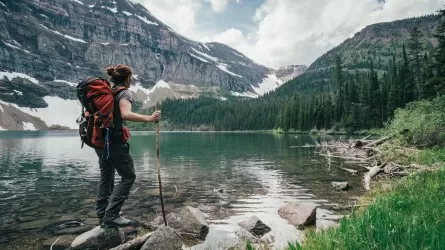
100 238
255 226
339 186
299 214
60 242
189 222
75 230
244 236
164 238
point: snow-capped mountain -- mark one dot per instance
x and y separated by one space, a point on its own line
48 46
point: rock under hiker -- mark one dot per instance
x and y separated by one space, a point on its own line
110 199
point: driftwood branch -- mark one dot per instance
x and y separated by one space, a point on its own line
352 171
134 244
373 171
378 142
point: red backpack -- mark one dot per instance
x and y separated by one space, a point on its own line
96 122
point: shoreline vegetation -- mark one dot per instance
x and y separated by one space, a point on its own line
403 208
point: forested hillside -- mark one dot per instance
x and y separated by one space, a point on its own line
357 85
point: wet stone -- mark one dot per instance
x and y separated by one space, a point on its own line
340 185
26 218
98 238
61 242
35 224
91 221
299 214
75 230
164 238
255 226
92 214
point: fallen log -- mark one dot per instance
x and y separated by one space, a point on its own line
134 244
352 171
377 142
345 157
372 172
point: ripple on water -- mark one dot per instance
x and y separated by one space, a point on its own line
234 175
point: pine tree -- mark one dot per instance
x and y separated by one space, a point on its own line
407 80
415 47
437 84
340 89
374 99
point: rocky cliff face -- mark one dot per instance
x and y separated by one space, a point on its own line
68 40
290 72
56 43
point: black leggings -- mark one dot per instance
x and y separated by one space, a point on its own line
109 200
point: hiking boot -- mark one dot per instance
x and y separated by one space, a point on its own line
115 222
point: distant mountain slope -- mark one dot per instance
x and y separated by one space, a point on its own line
58 42
377 42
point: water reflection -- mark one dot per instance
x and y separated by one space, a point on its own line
46 176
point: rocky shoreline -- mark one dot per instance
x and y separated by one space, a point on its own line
187 227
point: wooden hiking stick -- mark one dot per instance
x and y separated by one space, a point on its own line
159 169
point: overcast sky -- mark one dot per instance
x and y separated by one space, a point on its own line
278 33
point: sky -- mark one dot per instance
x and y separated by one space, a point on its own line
278 33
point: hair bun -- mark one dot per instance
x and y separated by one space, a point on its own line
111 71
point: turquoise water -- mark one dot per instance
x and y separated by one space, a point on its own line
45 178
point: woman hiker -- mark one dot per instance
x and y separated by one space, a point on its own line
110 199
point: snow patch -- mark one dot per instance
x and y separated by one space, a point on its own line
238 54
159 84
69 83
18 92
1 108
205 46
212 58
13 75
245 94
223 98
2 129
45 16
127 13
137 87
105 44
66 36
77 1
59 111
12 46
114 10
28 126
270 83
162 84
223 67
125 44
15 47
199 58
145 20
3 5
91 5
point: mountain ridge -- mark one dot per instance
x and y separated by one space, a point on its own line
57 43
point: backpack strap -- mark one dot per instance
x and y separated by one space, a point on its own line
118 90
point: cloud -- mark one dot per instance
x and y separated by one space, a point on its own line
180 15
297 32
219 6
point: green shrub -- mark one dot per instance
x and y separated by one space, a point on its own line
420 123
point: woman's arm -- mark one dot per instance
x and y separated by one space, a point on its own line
128 115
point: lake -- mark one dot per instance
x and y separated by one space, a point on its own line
46 178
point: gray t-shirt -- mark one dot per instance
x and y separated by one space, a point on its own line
122 95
